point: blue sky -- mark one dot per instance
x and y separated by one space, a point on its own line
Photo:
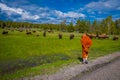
55 11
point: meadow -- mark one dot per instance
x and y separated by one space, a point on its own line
28 55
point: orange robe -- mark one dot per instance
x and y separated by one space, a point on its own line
86 43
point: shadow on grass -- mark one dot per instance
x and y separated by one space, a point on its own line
14 65
80 59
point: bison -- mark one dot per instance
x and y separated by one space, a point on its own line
44 33
71 36
92 35
5 32
60 36
33 31
28 33
115 38
103 36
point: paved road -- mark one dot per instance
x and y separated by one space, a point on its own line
109 72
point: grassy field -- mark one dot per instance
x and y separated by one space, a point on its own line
28 55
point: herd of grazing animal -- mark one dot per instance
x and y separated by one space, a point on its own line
102 36
60 36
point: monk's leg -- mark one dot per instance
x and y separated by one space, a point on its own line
86 58
83 57
86 61
83 62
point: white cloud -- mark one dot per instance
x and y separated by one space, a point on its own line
75 15
11 11
59 13
103 5
29 17
118 8
69 14
7 9
51 18
43 9
42 14
90 11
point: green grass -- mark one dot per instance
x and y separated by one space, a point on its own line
28 55
103 47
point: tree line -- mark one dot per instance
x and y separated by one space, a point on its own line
107 26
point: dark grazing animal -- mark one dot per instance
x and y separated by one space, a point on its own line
60 36
33 31
44 33
115 38
71 36
103 36
28 33
92 35
5 32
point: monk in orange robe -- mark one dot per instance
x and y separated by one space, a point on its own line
86 43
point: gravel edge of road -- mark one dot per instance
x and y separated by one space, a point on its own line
69 72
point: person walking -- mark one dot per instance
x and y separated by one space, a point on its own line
86 42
